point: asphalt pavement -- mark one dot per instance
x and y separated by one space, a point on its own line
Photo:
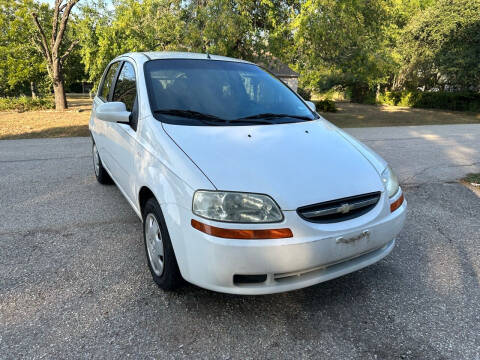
74 281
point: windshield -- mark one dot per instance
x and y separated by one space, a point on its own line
210 92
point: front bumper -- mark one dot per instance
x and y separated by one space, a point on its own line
312 256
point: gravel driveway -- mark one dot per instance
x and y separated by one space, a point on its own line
74 281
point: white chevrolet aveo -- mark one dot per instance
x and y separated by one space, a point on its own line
241 186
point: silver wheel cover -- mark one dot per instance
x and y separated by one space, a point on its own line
154 242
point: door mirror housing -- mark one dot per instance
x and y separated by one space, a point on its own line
311 105
115 111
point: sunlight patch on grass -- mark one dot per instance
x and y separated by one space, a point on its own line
47 123
359 115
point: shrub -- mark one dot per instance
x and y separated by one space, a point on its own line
459 101
337 93
362 94
325 106
306 94
25 103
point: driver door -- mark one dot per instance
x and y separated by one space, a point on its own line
122 138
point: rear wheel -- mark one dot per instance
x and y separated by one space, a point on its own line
100 172
158 247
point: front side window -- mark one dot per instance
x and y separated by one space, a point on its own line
107 82
125 87
210 92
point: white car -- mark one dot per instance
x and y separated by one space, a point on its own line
241 186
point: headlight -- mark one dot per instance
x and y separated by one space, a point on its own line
236 207
390 181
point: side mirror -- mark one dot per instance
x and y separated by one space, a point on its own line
311 105
113 112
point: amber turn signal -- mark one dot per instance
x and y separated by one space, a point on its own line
241 233
397 203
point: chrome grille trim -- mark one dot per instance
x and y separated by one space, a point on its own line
340 209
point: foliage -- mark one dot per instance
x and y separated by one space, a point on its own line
367 51
20 63
325 105
224 27
472 178
306 94
25 103
105 33
340 42
336 93
459 101
441 47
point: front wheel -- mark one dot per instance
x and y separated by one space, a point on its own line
158 247
100 172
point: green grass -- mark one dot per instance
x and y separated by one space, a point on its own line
472 178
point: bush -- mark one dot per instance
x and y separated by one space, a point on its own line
362 94
397 98
459 101
304 93
325 106
25 103
336 93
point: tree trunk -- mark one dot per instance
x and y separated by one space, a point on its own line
60 98
33 89
58 88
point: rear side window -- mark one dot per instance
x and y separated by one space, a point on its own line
125 87
107 82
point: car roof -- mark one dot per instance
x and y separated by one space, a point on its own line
158 55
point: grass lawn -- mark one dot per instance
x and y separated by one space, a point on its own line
74 121
357 115
472 181
48 123
472 178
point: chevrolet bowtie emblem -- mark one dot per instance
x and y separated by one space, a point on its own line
344 208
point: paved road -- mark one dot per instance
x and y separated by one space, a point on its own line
74 282
425 154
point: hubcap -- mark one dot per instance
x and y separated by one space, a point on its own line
153 239
96 160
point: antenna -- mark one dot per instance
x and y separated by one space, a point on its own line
208 55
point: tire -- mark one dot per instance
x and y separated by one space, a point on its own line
158 248
100 173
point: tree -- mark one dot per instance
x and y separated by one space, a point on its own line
237 28
150 25
342 42
440 47
52 50
22 68
245 29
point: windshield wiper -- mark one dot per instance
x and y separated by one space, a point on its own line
190 114
270 116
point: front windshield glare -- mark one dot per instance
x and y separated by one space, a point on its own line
199 92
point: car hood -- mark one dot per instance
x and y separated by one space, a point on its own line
297 164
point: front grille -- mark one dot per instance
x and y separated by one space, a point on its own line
340 209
